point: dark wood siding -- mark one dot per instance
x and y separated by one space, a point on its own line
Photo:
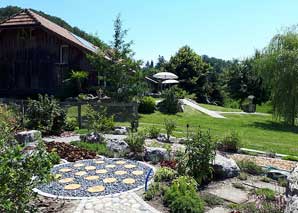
30 61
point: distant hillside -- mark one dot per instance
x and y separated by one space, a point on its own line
6 12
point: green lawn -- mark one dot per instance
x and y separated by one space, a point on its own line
256 132
219 108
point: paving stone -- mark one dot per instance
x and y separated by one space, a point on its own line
219 210
228 192
274 187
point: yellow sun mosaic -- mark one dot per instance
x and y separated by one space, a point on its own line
129 166
120 172
92 177
65 170
138 172
78 165
101 171
72 187
95 189
88 168
109 180
129 181
80 173
110 166
120 162
66 180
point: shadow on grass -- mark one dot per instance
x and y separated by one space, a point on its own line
276 126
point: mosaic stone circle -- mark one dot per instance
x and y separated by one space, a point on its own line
97 177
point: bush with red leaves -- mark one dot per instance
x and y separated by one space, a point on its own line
169 163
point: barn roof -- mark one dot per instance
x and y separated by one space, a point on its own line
29 18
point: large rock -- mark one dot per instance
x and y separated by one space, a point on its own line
118 146
120 130
28 137
225 167
92 137
156 154
292 192
163 138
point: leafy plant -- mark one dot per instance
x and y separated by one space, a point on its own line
54 158
99 148
181 196
165 174
71 124
265 179
170 126
136 141
250 167
98 120
268 194
170 103
153 131
20 173
152 191
229 143
199 152
212 200
46 115
79 76
282 182
147 105
242 176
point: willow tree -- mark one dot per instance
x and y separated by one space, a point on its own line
278 64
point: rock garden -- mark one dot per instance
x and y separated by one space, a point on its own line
149 170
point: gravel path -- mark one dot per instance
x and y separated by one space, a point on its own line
98 177
128 202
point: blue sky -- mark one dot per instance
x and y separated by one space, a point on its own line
220 28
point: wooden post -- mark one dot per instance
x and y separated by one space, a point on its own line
80 115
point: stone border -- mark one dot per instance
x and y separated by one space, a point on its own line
86 198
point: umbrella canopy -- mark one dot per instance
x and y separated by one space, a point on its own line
165 75
170 82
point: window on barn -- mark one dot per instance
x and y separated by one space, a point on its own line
64 54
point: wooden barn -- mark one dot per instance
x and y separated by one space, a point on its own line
36 55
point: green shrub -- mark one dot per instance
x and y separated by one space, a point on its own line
265 179
20 174
46 115
290 157
153 132
170 104
71 124
212 200
282 182
181 196
147 105
98 120
165 174
136 141
229 143
54 158
268 194
242 176
250 167
152 191
170 126
195 161
181 93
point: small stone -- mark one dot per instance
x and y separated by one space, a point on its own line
101 171
79 165
129 181
65 170
72 186
129 166
81 173
109 180
66 180
120 162
88 168
99 162
138 172
120 172
110 166
92 178
94 189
